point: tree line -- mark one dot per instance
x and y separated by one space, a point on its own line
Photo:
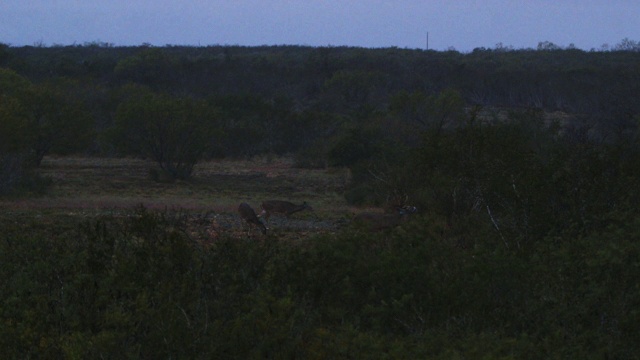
244 101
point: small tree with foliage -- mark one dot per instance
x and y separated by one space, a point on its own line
15 135
174 132
57 123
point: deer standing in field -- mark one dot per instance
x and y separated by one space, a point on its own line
281 207
380 222
249 216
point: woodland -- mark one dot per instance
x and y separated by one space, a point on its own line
524 165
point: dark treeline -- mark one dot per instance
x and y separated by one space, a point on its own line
523 165
569 80
275 81
293 99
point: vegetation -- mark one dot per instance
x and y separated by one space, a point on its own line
173 132
139 287
523 165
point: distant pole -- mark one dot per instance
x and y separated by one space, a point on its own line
427 40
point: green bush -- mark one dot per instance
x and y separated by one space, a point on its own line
138 286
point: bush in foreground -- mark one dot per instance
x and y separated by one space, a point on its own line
139 287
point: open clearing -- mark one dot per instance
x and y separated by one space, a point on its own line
85 187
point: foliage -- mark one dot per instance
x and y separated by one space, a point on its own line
352 89
16 137
525 178
175 133
14 134
523 165
56 124
383 152
437 111
281 99
150 66
139 286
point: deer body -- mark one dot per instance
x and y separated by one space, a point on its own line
285 208
249 216
380 222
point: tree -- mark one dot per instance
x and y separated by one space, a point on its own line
14 134
151 66
548 46
51 119
4 54
13 124
627 44
353 89
56 123
437 111
174 132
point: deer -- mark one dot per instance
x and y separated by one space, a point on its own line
248 215
379 222
281 207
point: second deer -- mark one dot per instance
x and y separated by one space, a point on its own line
285 208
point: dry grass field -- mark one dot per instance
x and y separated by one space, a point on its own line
85 187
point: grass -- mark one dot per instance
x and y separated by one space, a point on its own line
85 187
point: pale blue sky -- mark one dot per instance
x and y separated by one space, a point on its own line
462 24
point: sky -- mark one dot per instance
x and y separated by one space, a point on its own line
459 24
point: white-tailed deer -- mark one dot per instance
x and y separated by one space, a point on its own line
380 221
281 207
249 216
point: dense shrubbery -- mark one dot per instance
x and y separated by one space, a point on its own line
140 287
